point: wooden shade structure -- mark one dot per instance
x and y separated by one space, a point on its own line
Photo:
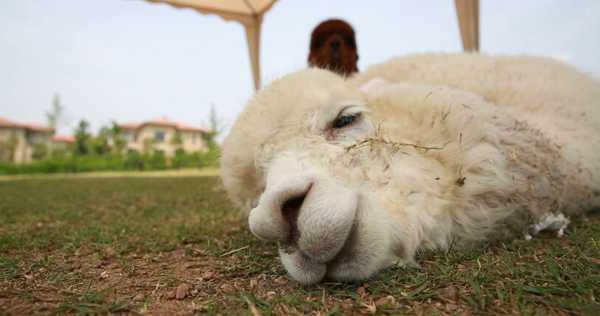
250 14
247 12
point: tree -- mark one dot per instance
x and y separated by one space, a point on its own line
116 137
82 138
55 116
40 150
216 127
100 143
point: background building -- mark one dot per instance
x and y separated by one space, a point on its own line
162 135
20 143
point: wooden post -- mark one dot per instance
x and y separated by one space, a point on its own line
467 12
253 39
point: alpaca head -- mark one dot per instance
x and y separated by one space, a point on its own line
333 47
308 158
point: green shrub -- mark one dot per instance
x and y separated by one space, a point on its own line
210 158
156 161
133 161
114 162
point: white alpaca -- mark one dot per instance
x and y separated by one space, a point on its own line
416 153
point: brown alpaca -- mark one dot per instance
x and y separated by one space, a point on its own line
333 47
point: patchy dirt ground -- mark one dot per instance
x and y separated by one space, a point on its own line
175 246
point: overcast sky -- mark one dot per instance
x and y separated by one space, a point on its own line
131 60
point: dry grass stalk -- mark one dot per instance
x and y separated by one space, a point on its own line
395 145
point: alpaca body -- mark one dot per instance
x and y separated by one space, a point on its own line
421 152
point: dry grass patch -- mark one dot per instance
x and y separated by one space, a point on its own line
175 246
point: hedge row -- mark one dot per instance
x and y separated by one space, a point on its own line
130 161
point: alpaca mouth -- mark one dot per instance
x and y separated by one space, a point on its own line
336 58
311 219
313 251
309 264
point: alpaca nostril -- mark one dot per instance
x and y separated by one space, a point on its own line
290 210
292 206
335 44
276 215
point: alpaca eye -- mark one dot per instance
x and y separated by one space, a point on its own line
345 120
350 41
319 42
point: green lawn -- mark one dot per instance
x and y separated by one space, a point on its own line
175 246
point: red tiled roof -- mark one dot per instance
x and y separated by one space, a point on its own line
37 127
8 123
63 139
162 121
183 127
129 125
28 126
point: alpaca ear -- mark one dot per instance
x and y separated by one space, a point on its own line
373 84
